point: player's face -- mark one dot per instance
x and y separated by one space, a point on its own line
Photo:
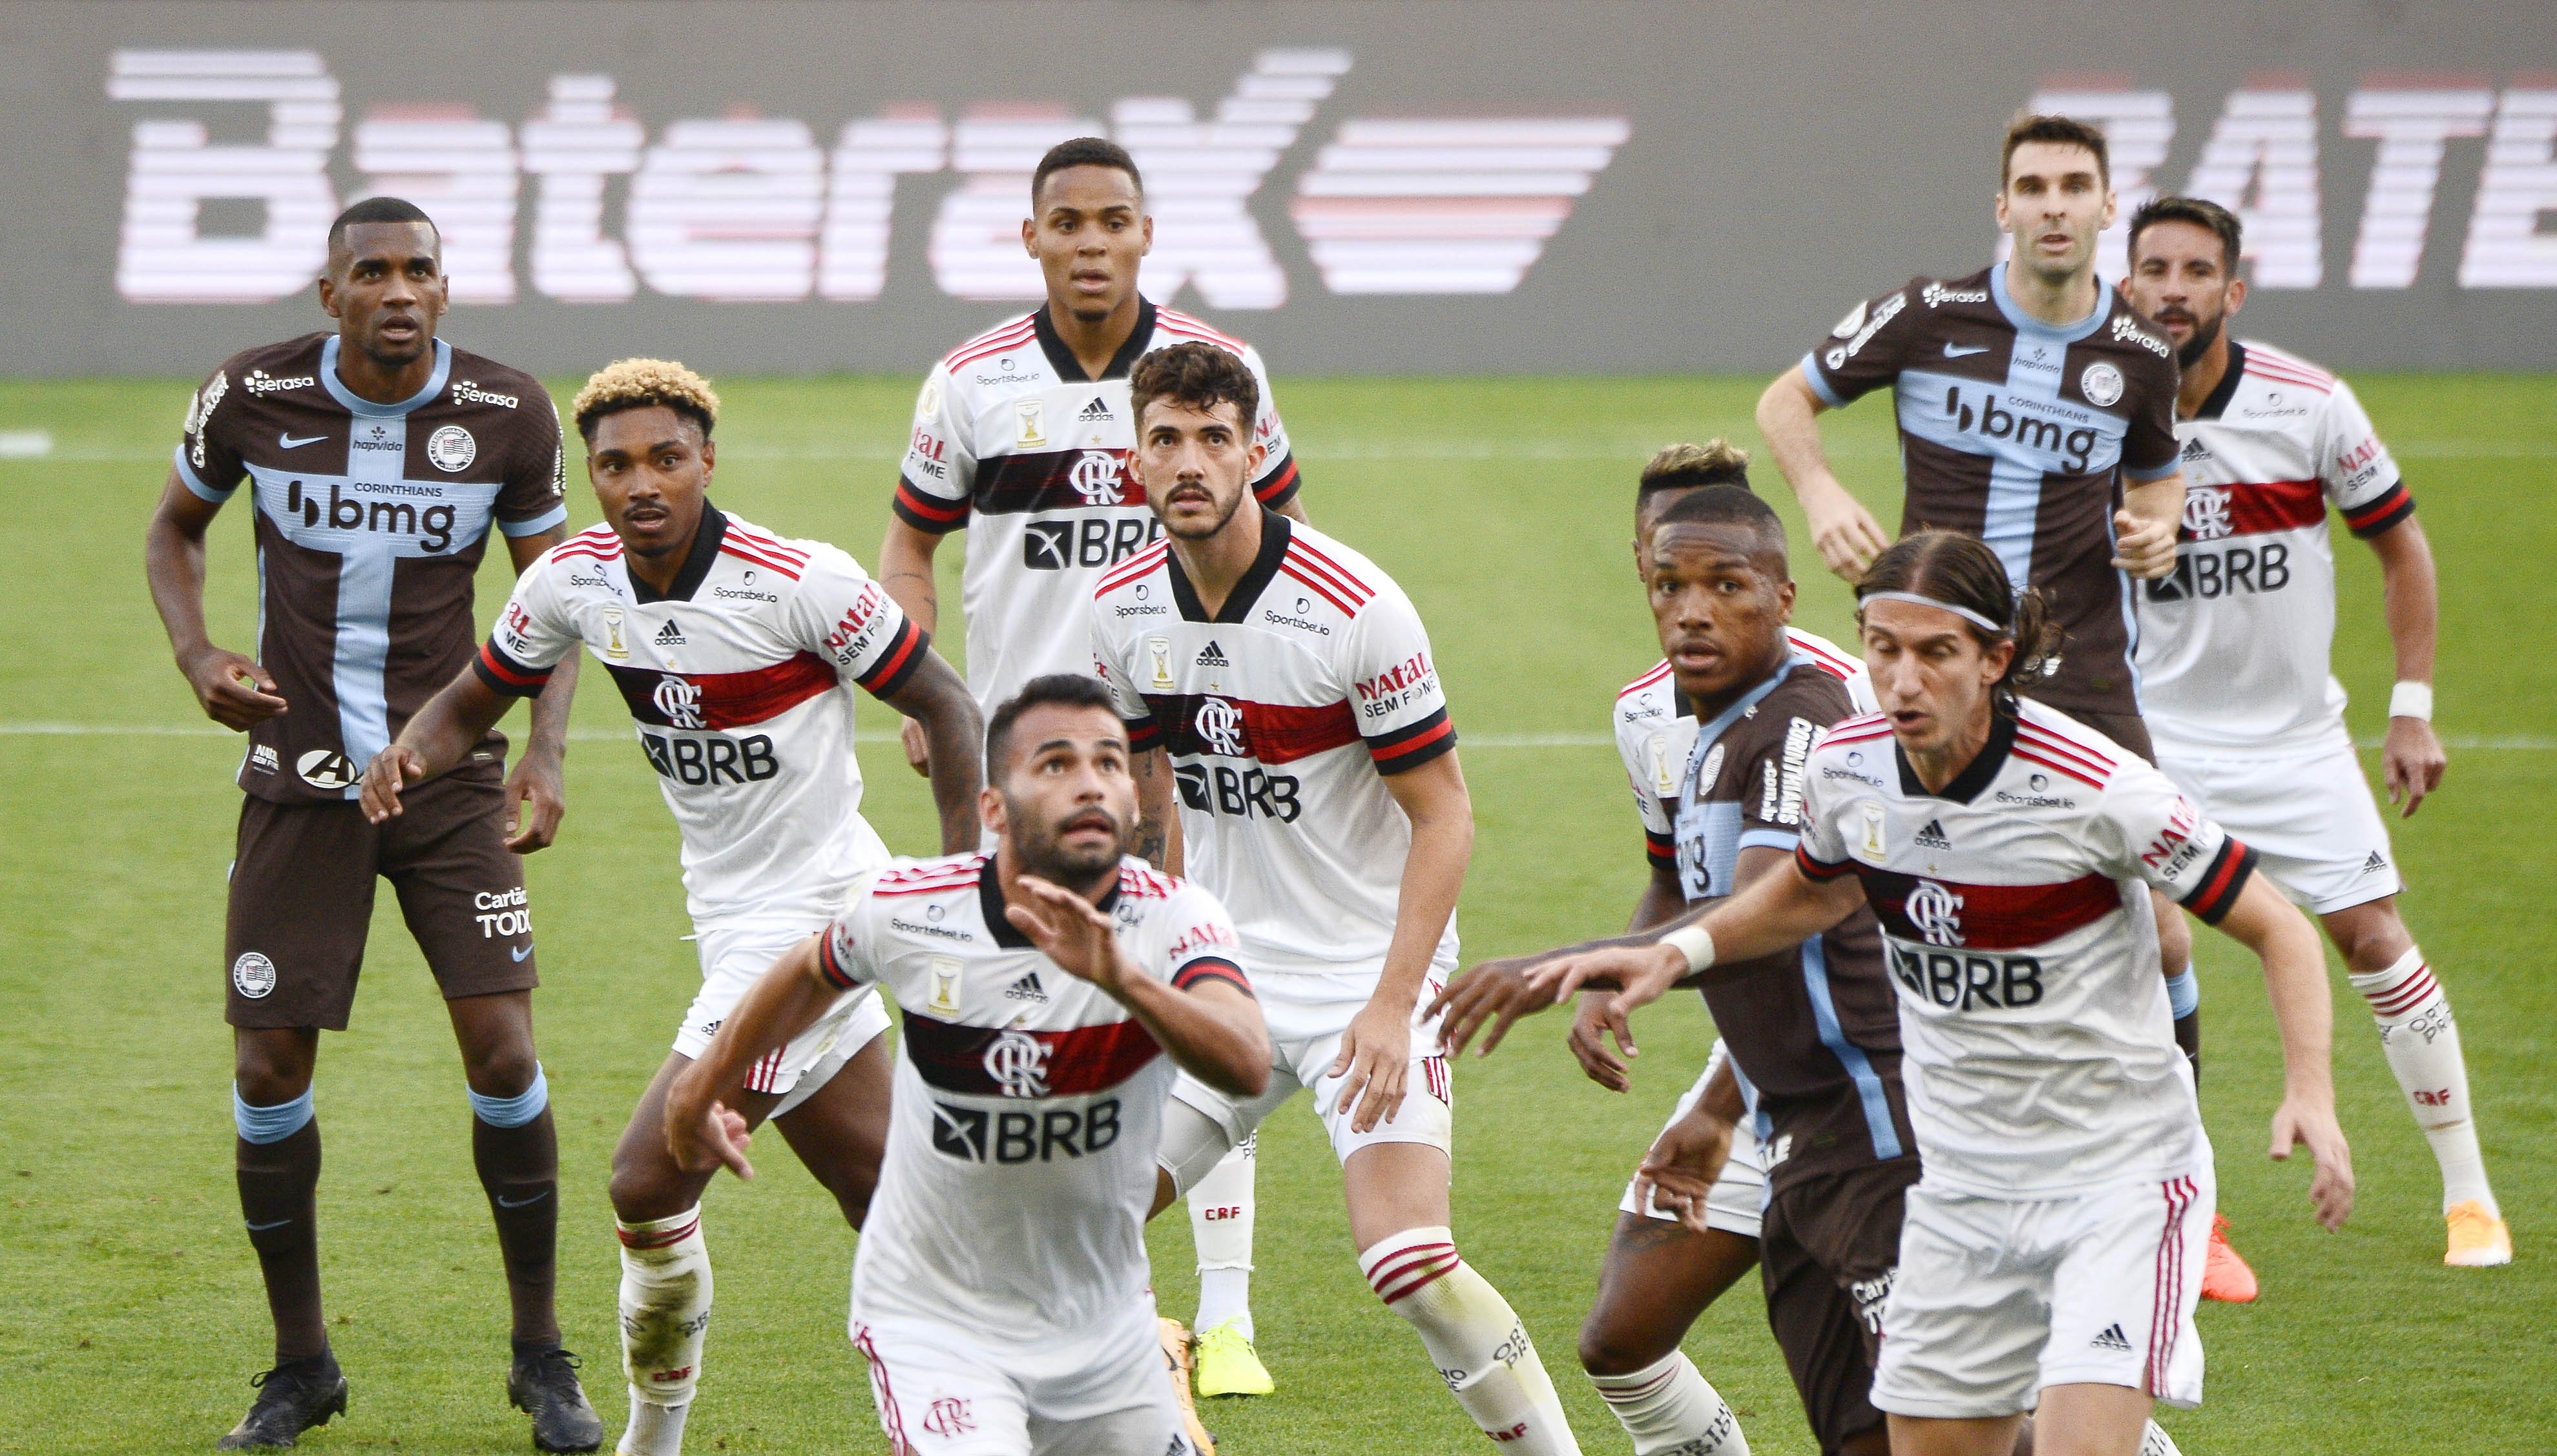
386 289
1067 803
1196 464
1720 599
650 467
1088 230
1931 675
2054 205
2180 278
1646 515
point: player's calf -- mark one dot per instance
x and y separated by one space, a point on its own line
1478 1343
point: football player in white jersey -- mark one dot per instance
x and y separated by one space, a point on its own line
736 651
1050 989
1021 436
2048 1254
1280 689
2233 658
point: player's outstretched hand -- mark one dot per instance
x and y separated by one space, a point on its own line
2331 1188
2145 549
716 1139
1684 1161
235 691
1494 992
918 748
536 785
1374 1064
1588 1043
392 769
2411 761
1848 536
1068 930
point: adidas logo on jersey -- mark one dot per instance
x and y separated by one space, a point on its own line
1212 655
1027 988
1934 837
2111 1339
670 636
2195 449
1095 411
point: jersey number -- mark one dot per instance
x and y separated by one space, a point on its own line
699 762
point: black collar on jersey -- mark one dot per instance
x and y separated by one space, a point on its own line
1972 781
704 555
1247 592
1070 369
2226 389
989 904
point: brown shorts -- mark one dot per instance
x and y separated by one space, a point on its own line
302 899
1827 1248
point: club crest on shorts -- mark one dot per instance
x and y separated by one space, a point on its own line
253 976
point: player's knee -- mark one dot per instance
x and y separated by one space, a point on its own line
265 1078
505 1068
1607 1349
642 1189
2371 943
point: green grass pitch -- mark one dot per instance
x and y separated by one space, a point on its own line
130 1310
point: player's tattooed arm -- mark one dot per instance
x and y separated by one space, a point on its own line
537 787
1158 827
233 690
2411 761
434 740
905 570
938 706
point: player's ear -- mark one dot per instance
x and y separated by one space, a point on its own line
2236 295
1784 600
1147 223
990 810
328 292
709 459
2112 204
1029 235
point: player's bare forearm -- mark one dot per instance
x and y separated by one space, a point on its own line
1158 840
2411 590
783 1002
1213 1030
547 745
905 570
453 719
1788 417
172 559
1662 902
936 697
2295 983
1722 1096
1433 798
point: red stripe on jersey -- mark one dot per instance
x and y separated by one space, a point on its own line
993 340
1661 850
2260 506
890 673
1179 323
1145 884
1831 661
586 550
828 967
2085 757
1319 585
1350 581
1390 755
2060 765
1075 1062
885 893
1840 735
932 509
1210 967
498 665
1819 870
2288 370
1645 681
1278 484
2363 518
722 700
762 558
2229 871
1988 917
1143 563
1272 733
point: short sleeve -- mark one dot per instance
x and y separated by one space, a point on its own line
2354 466
533 496
1818 851
2150 451
844 615
1143 732
1200 943
1866 350
841 957
1395 695
531 636
1645 750
206 459
2150 832
1275 485
1771 783
933 484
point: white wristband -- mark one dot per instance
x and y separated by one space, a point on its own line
1693 943
2411 700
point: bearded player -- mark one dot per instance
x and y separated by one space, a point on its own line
2234 662
1283 704
737 652
1050 989
1021 438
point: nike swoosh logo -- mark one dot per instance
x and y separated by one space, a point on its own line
504 1202
523 951
262 1228
287 441
1956 350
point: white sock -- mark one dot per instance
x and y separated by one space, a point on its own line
1668 1410
2422 1044
665 1312
1475 1339
1221 1230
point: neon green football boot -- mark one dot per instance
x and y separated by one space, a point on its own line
1227 1364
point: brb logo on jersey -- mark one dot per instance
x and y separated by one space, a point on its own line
1017 1061
1936 912
680 701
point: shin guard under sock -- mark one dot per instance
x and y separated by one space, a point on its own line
1475 1339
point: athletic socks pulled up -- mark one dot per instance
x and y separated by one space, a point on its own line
1670 1410
665 1313
515 1146
278 1162
2422 1044
1476 1340
1221 1230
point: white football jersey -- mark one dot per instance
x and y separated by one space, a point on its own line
2039 1050
1656 731
1281 715
2233 646
739 682
1029 1103
1014 443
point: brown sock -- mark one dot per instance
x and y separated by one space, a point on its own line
277 1181
519 1168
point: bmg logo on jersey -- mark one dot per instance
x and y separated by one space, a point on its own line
431 525
2062 432
979 1136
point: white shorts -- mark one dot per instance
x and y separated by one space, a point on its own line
1304 1039
941 1391
733 960
1997 1299
2310 817
1732 1204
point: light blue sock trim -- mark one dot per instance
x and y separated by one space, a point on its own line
270 1124
2184 994
516 1111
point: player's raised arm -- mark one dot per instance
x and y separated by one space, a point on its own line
1209 1024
